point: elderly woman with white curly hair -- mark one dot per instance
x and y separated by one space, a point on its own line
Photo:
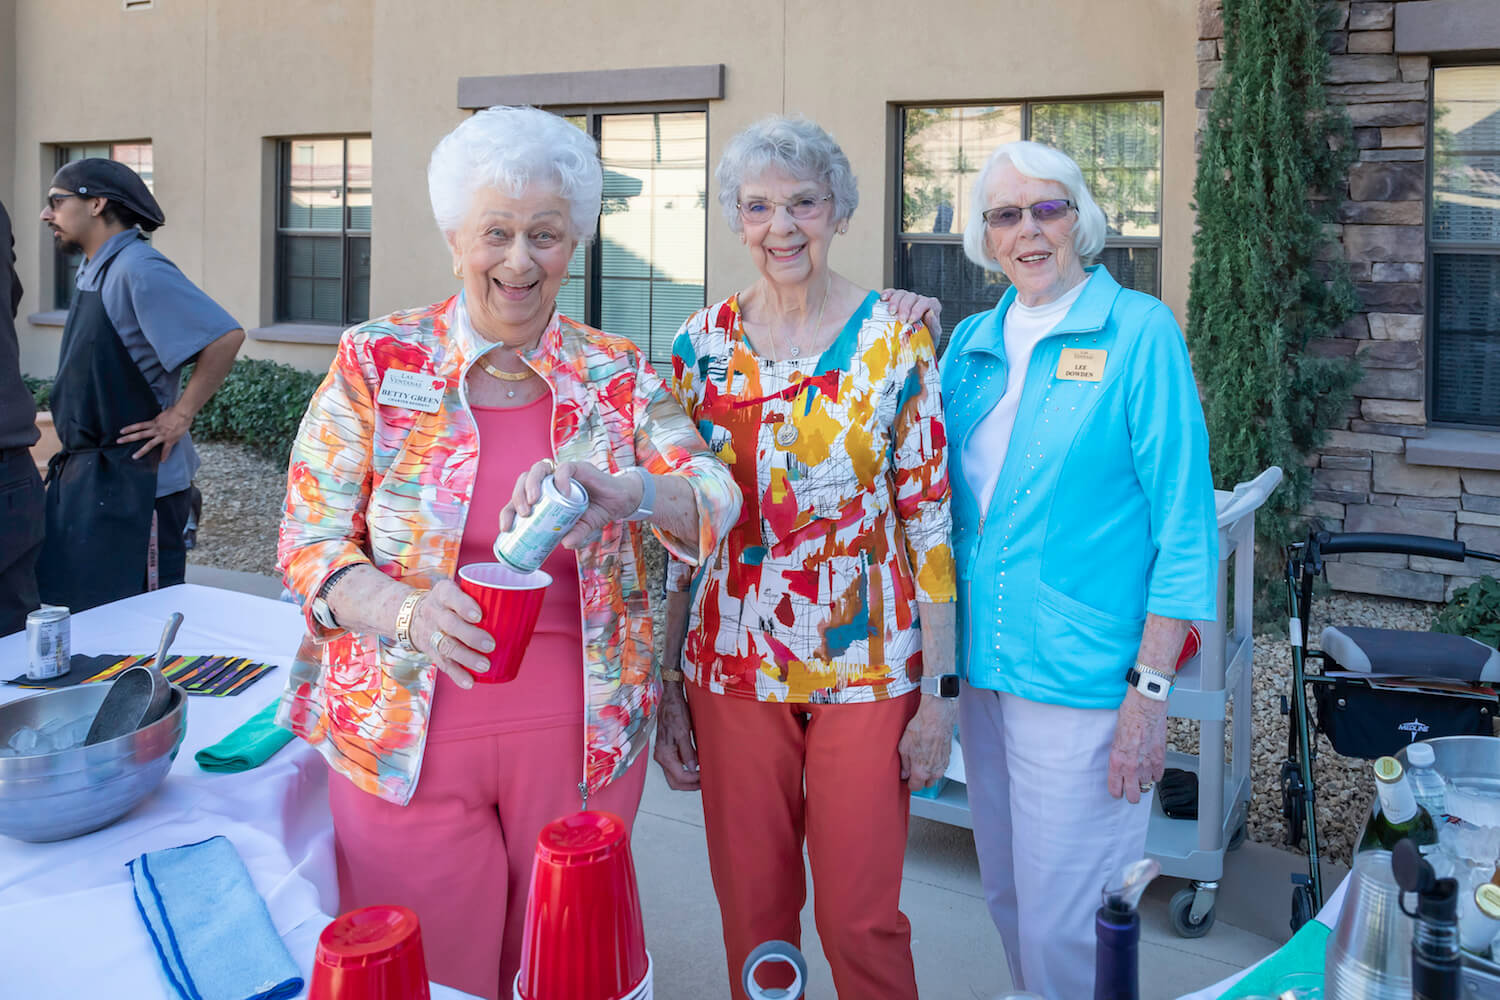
816 642
434 428
1086 543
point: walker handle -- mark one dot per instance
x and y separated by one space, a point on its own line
1406 545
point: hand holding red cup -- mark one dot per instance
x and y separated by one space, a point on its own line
509 603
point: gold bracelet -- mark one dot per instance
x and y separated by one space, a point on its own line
668 674
404 619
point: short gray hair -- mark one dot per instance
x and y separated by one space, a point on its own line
1042 163
512 148
794 144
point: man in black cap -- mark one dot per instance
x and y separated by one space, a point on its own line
20 486
118 492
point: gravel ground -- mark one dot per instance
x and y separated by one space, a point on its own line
242 499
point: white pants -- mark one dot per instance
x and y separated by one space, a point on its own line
1048 833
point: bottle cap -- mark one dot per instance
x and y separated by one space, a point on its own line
1420 755
1487 898
1388 769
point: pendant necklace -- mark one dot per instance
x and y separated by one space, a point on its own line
786 433
505 376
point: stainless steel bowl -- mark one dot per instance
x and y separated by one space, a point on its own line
55 796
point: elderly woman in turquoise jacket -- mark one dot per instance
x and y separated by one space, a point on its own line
1086 544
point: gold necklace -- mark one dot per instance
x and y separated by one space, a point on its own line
505 376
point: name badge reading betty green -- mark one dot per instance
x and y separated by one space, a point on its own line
1079 364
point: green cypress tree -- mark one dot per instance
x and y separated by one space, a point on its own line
1271 171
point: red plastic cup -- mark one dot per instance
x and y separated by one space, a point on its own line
1190 646
584 939
509 602
370 954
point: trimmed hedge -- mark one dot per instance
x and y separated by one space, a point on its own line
259 405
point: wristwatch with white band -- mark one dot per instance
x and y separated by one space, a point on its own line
942 685
1150 682
647 506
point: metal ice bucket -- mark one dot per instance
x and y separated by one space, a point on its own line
58 795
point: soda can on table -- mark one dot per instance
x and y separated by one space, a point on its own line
49 642
532 538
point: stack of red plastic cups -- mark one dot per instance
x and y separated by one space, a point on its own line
584 936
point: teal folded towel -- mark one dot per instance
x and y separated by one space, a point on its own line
213 935
1303 953
249 746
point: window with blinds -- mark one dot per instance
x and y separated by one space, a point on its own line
644 274
323 208
136 156
1464 246
1117 143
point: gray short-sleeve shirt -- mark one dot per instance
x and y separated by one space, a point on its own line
164 320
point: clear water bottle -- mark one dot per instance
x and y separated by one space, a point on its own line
1427 784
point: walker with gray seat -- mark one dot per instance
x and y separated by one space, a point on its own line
1375 691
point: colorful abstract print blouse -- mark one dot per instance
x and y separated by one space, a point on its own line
812 596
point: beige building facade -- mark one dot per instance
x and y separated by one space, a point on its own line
216 88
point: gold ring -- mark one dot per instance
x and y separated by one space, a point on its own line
437 639
1146 786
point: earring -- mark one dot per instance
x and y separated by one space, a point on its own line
565 279
458 272
843 229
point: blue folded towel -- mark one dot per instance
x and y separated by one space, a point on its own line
213 935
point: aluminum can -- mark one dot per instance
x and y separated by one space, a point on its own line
49 642
532 538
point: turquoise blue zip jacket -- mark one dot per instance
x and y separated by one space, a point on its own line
1104 508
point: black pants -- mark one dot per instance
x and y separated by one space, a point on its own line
171 551
21 514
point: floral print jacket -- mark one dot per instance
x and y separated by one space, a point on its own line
389 485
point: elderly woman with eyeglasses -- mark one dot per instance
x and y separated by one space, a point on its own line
1086 543
813 640
434 428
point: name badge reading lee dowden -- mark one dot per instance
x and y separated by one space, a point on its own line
412 390
1081 365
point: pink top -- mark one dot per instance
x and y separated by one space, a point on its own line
548 691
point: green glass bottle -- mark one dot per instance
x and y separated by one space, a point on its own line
1397 814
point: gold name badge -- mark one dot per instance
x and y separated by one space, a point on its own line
1081 365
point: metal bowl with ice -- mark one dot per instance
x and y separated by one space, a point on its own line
52 787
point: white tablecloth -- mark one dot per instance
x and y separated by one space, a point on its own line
68 922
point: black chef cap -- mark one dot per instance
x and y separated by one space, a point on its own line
96 177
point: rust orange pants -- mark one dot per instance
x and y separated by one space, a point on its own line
777 775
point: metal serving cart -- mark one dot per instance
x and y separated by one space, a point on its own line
1206 685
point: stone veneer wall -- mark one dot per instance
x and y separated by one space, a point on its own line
1362 480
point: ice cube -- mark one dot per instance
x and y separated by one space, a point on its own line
73 734
23 740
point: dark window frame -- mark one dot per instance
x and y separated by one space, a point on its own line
593 289
63 269
345 231
897 238
1433 247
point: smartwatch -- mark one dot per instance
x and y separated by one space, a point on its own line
1151 683
647 506
942 685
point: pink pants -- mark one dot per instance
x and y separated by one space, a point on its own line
460 853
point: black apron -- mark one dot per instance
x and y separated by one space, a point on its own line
99 500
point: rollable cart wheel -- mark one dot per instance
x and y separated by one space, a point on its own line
1181 912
